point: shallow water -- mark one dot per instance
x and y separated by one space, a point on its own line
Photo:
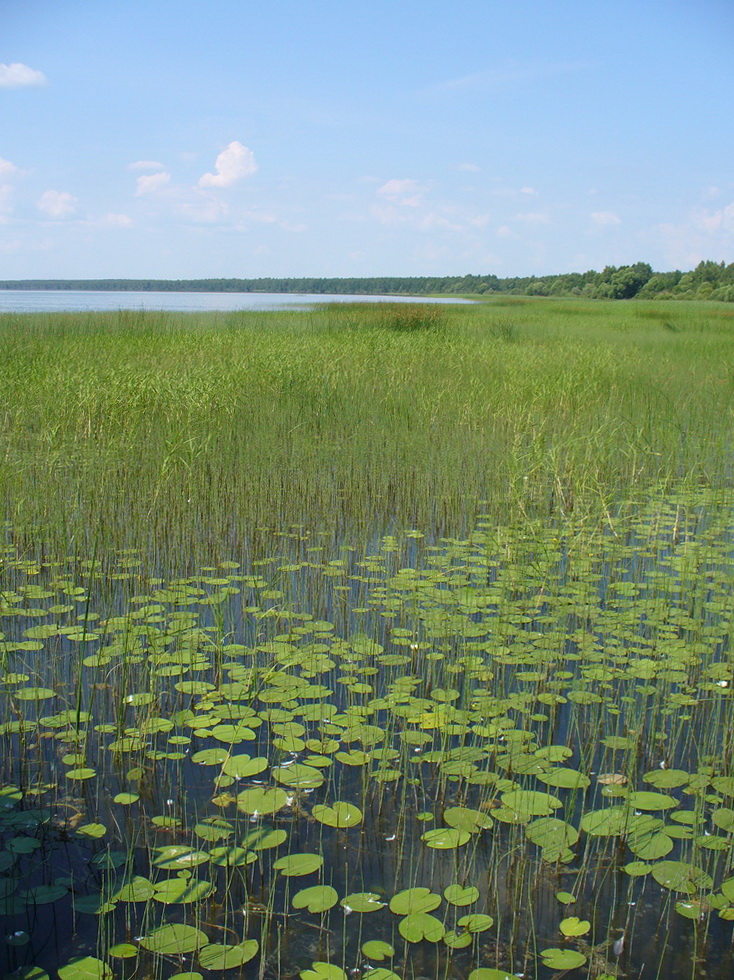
539 717
77 300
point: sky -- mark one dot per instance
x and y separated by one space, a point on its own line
171 139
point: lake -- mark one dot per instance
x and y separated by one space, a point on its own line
71 300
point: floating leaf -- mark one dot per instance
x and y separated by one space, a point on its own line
318 898
573 926
562 959
181 891
244 766
412 900
377 949
295 865
456 895
487 973
218 956
259 800
476 922
419 925
681 877
339 815
174 939
323 971
362 902
445 838
85 968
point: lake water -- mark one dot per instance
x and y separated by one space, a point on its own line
66 301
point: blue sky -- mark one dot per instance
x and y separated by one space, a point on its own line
218 138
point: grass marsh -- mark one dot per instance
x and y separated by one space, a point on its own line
378 640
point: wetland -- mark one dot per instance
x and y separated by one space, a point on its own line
372 641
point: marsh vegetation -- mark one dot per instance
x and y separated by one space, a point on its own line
373 641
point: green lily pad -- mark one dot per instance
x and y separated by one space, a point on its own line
412 900
339 815
573 926
362 902
231 856
218 956
419 925
679 876
295 865
562 959
244 766
377 949
317 898
261 801
487 973
85 968
323 971
181 891
174 939
476 922
456 895
445 838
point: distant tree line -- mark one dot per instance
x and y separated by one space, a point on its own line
709 280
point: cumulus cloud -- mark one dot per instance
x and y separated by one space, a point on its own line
17 75
146 165
151 183
7 168
57 204
712 221
605 219
232 164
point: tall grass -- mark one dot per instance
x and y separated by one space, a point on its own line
181 434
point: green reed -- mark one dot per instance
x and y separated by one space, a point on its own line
183 435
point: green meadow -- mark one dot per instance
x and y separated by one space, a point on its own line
376 641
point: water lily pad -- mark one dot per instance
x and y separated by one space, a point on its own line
244 766
419 925
377 949
412 900
178 856
318 898
85 968
259 800
174 939
680 876
181 891
295 865
643 800
487 973
445 838
573 926
231 856
562 959
323 971
456 895
464 818
339 815
218 956
476 922
362 902
531 802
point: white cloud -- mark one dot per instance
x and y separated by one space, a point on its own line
469 167
528 190
605 219
205 210
151 183
146 165
112 220
232 164
7 168
712 221
17 75
6 207
57 204
405 193
534 217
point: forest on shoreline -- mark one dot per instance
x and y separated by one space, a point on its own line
708 281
